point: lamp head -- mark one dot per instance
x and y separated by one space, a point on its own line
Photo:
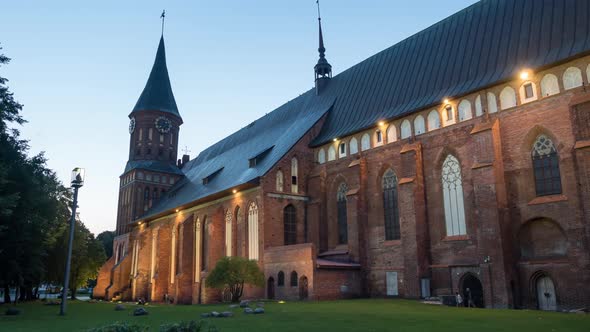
78 174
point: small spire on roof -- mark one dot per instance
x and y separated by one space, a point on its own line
323 70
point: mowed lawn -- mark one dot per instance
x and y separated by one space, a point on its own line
349 315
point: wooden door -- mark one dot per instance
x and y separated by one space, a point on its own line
391 283
546 294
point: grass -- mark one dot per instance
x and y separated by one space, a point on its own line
341 316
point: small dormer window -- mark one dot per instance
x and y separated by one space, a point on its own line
449 110
379 137
342 150
252 162
528 91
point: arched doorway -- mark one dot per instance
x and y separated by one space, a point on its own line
471 288
546 299
270 288
303 292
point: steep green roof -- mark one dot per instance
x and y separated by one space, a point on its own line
157 94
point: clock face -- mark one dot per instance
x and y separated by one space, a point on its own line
163 124
132 125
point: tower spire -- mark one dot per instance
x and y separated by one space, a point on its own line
323 70
163 17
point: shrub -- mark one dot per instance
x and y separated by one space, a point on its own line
190 326
121 327
232 273
12 311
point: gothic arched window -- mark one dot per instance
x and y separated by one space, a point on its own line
204 244
228 233
492 103
281 279
293 279
365 142
290 225
546 167
294 176
331 153
507 98
433 120
342 218
478 106
354 145
419 125
572 78
390 208
453 197
406 129
464 110
391 133
279 181
322 156
549 85
253 232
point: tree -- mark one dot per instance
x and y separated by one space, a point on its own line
232 273
33 203
107 238
87 257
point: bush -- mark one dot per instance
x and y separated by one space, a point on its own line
120 327
232 273
12 311
191 326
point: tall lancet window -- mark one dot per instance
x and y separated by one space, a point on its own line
342 218
390 209
294 185
290 225
279 181
205 245
546 167
228 233
253 231
453 197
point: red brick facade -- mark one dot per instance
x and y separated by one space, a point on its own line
513 237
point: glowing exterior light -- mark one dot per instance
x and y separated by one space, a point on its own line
381 123
524 75
446 101
176 210
234 191
335 139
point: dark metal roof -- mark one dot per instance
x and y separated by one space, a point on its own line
152 165
157 94
482 45
281 129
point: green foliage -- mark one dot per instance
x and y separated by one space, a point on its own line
12 311
34 210
188 326
87 257
121 327
106 238
232 273
33 203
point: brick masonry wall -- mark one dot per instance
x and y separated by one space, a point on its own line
499 196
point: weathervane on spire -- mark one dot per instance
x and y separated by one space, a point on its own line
319 16
163 17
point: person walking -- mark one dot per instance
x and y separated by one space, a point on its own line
458 299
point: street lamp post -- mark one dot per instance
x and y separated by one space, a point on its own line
77 182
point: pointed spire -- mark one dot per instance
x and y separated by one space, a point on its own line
323 70
157 94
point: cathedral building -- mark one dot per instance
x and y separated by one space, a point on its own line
457 160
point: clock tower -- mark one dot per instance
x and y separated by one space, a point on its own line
154 125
